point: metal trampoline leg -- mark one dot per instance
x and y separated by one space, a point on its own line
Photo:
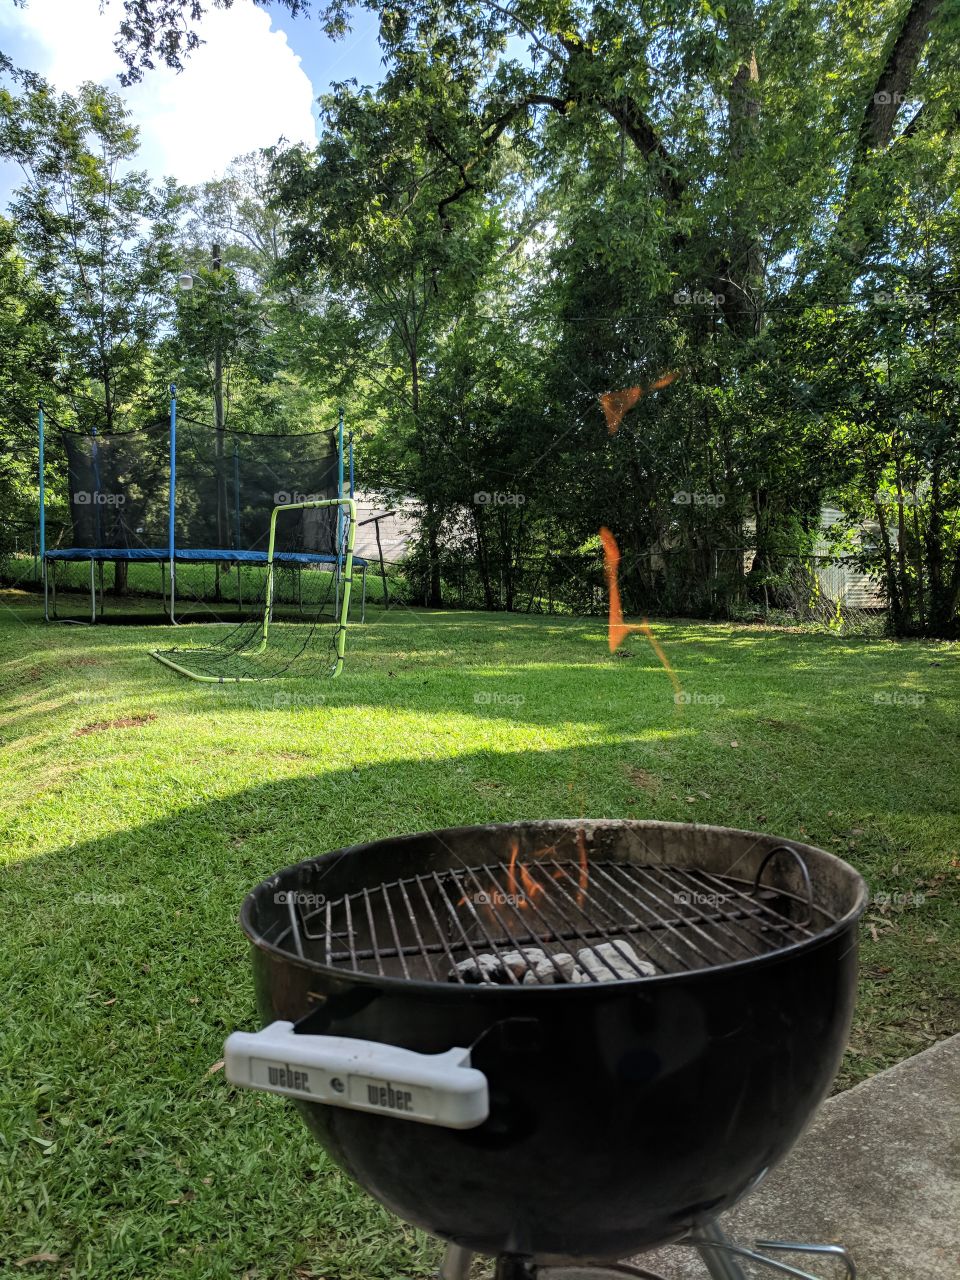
46 593
363 594
173 592
93 592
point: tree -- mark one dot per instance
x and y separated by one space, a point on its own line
368 224
99 239
27 359
748 155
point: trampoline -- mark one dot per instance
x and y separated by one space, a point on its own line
209 493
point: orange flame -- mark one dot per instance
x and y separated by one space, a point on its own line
530 887
584 871
617 404
618 629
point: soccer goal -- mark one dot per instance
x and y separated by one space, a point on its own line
312 644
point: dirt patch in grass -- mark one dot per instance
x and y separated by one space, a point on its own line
645 780
124 722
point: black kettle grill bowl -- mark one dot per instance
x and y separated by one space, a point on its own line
622 1114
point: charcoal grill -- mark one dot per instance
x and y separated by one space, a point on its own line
556 1041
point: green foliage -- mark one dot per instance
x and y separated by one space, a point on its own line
98 238
28 333
548 201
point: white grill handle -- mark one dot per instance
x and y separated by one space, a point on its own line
362 1075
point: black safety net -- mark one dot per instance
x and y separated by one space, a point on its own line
228 483
117 488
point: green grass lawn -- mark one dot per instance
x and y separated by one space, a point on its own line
139 808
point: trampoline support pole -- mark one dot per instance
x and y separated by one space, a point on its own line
171 531
43 510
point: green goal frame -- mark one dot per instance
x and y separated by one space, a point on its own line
346 506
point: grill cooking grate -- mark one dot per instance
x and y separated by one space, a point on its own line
422 927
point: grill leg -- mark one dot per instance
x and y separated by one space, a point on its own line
456 1263
720 1255
511 1266
713 1247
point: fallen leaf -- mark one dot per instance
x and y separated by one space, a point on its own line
217 1066
872 928
38 1257
734 743
107 1003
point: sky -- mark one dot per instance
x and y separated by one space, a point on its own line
255 81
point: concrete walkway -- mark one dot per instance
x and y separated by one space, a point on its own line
877 1171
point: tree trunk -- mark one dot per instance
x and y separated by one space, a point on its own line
434 594
483 558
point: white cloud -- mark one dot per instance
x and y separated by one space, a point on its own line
243 89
